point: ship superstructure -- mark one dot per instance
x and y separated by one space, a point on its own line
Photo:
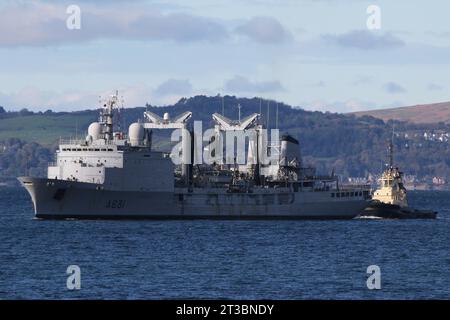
111 174
391 188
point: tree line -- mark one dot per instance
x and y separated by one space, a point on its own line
346 144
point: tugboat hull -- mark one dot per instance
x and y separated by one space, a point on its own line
392 211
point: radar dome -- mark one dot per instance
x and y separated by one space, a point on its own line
94 130
166 116
136 134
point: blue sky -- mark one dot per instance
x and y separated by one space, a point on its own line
317 54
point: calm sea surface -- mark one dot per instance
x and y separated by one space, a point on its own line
224 259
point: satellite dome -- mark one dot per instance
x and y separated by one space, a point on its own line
166 116
94 130
136 134
89 139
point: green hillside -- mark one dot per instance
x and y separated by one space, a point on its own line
44 129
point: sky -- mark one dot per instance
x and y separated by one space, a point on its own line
315 54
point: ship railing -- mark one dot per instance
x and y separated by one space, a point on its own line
63 141
353 187
71 141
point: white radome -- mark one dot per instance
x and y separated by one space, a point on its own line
94 130
136 134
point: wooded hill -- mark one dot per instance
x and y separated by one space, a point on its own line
350 145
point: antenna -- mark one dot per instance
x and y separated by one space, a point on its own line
223 105
276 121
391 148
268 114
239 107
260 110
260 106
120 116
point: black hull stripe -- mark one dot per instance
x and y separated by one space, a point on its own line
187 217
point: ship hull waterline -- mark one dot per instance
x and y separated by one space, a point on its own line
60 199
391 211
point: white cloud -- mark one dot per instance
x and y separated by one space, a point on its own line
434 87
240 84
319 84
365 40
35 99
393 88
174 86
264 30
362 80
36 23
346 106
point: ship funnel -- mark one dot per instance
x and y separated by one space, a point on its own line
290 151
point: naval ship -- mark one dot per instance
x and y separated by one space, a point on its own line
114 175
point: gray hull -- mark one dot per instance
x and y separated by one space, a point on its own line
55 199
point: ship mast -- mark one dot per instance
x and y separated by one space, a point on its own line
391 149
391 155
239 107
107 115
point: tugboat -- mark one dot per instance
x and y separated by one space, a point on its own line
390 199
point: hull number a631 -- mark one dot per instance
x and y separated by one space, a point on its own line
115 204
